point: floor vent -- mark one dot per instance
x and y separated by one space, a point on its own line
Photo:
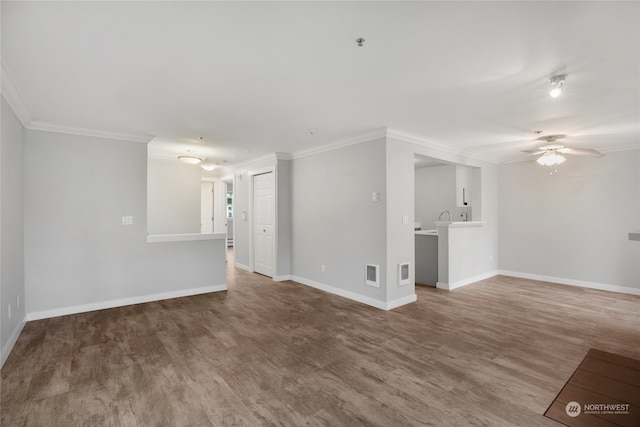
371 274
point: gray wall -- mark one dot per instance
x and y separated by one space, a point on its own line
283 176
77 252
334 220
435 191
12 284
174 199
573 224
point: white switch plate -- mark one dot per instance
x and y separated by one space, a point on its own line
127 220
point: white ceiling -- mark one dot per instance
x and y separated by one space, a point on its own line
255 77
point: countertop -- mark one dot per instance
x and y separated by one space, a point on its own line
433 232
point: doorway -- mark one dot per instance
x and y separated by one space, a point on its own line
263 223
228 186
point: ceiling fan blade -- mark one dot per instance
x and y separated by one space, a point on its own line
523 158
580 152
533 152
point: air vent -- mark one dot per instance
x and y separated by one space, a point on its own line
372 278
403 274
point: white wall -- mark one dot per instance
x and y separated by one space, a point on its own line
435 191
78 255
334 220
173 205
480 250
12 283
573 225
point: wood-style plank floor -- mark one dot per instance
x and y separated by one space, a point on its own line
604 391
495 353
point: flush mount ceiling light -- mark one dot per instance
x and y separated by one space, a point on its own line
190 160
557 82
208 166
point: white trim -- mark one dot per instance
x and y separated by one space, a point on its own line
401 301
73 130
341 292
382 305
572 282
162 238
11 94
366 137
6 350
438 146
123 302
243 267
467 281
282 278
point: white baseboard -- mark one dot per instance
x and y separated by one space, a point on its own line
467 281
122 302
6 350
572 282
401 301
282 278
354 296
243 267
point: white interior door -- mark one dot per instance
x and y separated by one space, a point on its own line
263 223
206 207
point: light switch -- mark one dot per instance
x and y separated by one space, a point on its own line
405 219
127 220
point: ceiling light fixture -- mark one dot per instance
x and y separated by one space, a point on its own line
550 158
208 167
557 82
191 160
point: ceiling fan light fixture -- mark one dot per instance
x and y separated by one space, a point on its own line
550 158
190 160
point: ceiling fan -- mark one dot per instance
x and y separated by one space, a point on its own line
551 153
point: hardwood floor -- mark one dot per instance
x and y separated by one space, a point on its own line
495 353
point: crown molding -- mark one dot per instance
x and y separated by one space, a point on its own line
73 130
365 137
439 146
11 94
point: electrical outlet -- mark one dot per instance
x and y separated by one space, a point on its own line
323 268
9 311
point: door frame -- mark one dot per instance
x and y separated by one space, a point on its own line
273 169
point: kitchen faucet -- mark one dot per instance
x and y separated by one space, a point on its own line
444 212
